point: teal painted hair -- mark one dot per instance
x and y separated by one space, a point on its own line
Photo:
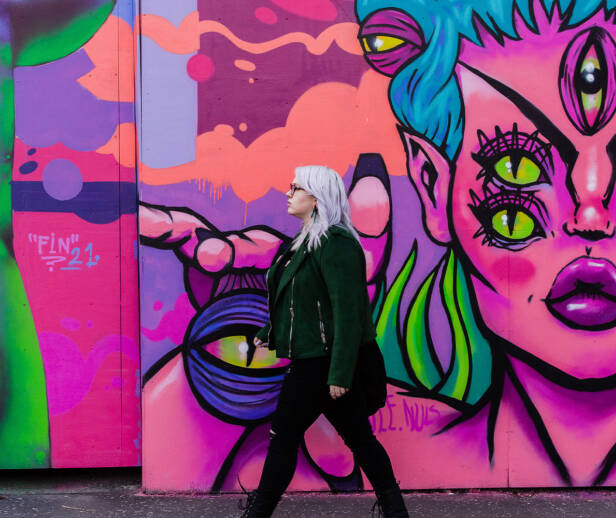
424 94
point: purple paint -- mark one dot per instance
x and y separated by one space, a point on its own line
266 15
391 22
281 75
200 286
440 334
97 202
173 323
69 376
28 167
70 324
62 179
583 295
51 114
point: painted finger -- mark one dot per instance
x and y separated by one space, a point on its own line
370 201
255 248
327 450
214 254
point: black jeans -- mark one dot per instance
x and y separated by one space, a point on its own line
303 398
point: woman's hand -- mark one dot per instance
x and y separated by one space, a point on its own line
259 343
337 392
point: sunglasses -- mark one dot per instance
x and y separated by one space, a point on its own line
294 188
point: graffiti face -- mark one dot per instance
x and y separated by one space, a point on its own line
509 146
531 199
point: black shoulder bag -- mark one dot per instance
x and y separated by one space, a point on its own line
370 379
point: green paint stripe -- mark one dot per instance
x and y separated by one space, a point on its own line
24 426
417 345
389 315
5 207
6 55
388 323
7 136
7 124
380 298
457 381
481 352
65 39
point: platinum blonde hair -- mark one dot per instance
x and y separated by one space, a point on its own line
333 206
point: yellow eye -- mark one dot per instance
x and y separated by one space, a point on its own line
590 79
380 43
521 228
236 351
526 172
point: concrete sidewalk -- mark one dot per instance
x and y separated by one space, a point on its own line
116 493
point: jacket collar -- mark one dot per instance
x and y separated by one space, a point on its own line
296 261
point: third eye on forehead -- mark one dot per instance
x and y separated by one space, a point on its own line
587 77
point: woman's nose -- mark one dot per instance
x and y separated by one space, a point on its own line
590 221
592 183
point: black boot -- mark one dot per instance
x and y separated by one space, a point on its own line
391 504
259 505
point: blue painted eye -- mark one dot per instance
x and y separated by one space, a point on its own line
228 377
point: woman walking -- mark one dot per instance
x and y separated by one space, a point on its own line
320 316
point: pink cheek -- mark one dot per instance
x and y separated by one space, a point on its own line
513 270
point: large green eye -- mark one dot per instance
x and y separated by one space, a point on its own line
513 224
234 350
380 43
526 172
591 80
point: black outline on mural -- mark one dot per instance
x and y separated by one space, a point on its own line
500 347
368 165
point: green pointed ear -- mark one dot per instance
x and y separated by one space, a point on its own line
47 31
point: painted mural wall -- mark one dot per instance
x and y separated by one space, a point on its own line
69 366
476 140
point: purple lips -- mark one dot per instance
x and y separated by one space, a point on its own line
583 295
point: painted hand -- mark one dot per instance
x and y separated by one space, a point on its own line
337 392
209 249
239 259
370 200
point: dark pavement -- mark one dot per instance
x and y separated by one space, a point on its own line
116 493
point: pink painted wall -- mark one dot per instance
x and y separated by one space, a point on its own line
74 233
488 230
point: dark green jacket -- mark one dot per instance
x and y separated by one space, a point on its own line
321 306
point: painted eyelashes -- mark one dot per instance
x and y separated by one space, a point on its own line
508 215
507 219
514 159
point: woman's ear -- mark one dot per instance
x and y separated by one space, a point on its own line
430 173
